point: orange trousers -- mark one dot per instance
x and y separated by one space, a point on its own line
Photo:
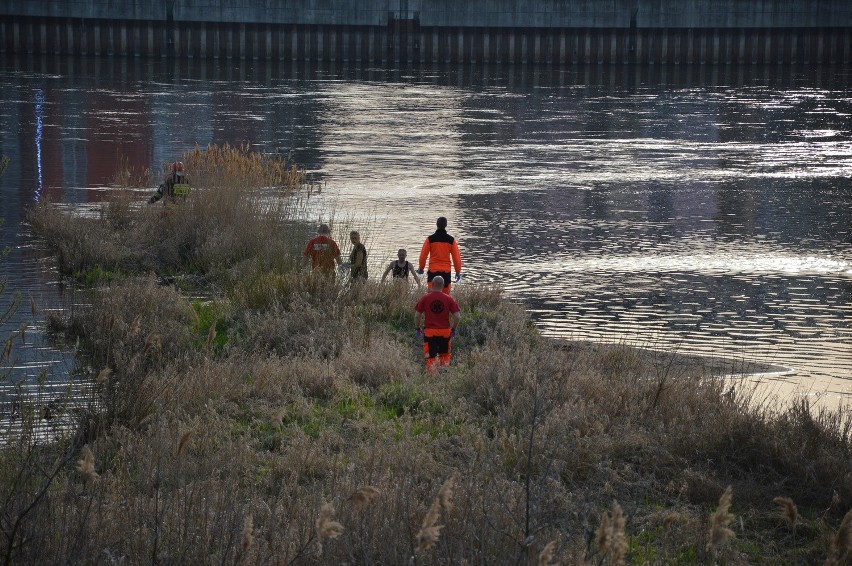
437 348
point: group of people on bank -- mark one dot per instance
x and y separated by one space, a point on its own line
437 315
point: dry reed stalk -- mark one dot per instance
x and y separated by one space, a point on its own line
33 306
7 352
23 330
787 510
546 554
719 521
86 464
327 527
182 442
841 543
103 376
363 496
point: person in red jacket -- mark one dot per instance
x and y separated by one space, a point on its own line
436 318
442 251
323 252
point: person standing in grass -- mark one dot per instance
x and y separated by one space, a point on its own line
323 252
401 268
442 251
357 258
436 317
175 178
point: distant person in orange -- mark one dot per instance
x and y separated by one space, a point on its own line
436 318
323 252
176 176
442 251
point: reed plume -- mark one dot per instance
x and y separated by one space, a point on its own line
247 537
23 329
430 532
136 325
445 494
719 521
86 464
103 375
609 537
182 442
787 510
619 540
363 496
33 306
603 536
327 527
211 334
841 543
153 343
546 554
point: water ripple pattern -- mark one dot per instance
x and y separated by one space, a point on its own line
707 210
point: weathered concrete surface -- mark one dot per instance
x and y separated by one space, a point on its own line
724 14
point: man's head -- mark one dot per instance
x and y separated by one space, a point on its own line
442 222
177 168
354 236
401 254
438 283
323 230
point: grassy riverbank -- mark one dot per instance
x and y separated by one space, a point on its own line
286 419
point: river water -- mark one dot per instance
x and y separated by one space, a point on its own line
701 209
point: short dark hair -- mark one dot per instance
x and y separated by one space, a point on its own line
442 222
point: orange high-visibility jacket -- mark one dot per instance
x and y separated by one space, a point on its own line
441 248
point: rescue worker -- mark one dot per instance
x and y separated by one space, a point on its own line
167 188
358 257
442 251
436 318
400 268
323 252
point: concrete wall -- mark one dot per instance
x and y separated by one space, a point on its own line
459 13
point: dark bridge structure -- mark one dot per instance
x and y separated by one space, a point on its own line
552 32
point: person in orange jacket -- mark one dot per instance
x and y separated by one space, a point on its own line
436 318
442 251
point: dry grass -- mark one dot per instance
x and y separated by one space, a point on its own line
287 419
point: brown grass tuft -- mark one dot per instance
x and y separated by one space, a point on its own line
86 464
787 510
719 521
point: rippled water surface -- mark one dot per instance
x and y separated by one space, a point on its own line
703 209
